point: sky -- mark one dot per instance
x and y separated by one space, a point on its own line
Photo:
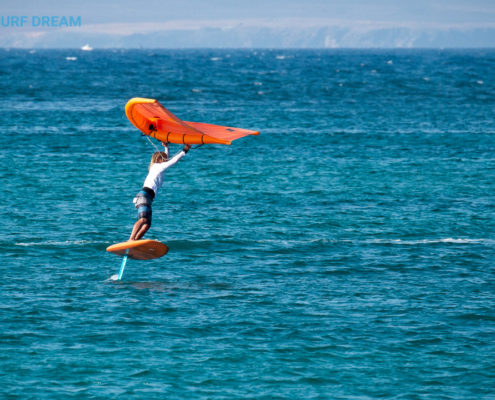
255 23
438 12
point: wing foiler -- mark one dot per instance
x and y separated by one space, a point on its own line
154 120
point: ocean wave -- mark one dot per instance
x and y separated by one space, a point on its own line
431 241
66 243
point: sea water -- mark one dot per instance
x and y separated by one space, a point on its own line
346 252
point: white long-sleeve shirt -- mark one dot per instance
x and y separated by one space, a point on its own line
154 180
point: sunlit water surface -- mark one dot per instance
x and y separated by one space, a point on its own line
346 252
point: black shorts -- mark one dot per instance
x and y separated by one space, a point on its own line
143 201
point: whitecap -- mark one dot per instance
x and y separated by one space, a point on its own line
67 243
451 240
430 241
71 58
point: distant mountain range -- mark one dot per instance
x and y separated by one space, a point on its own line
253 34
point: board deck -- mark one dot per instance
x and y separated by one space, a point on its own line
140 249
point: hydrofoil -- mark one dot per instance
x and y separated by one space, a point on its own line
138 250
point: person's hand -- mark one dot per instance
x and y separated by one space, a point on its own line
164 144
187 147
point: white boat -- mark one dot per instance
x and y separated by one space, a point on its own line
87 48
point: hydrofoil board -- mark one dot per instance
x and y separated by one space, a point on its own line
139 249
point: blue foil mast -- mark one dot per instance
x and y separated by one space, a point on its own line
123 265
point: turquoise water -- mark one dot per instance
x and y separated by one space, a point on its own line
346 252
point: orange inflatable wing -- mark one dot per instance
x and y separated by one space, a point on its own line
154 120
222 132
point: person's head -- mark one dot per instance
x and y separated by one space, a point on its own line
158 157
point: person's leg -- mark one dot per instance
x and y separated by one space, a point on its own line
140 228
143 229
143 205
137 226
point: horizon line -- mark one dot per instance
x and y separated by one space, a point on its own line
246 48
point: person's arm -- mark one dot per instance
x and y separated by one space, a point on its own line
174 160
166 149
